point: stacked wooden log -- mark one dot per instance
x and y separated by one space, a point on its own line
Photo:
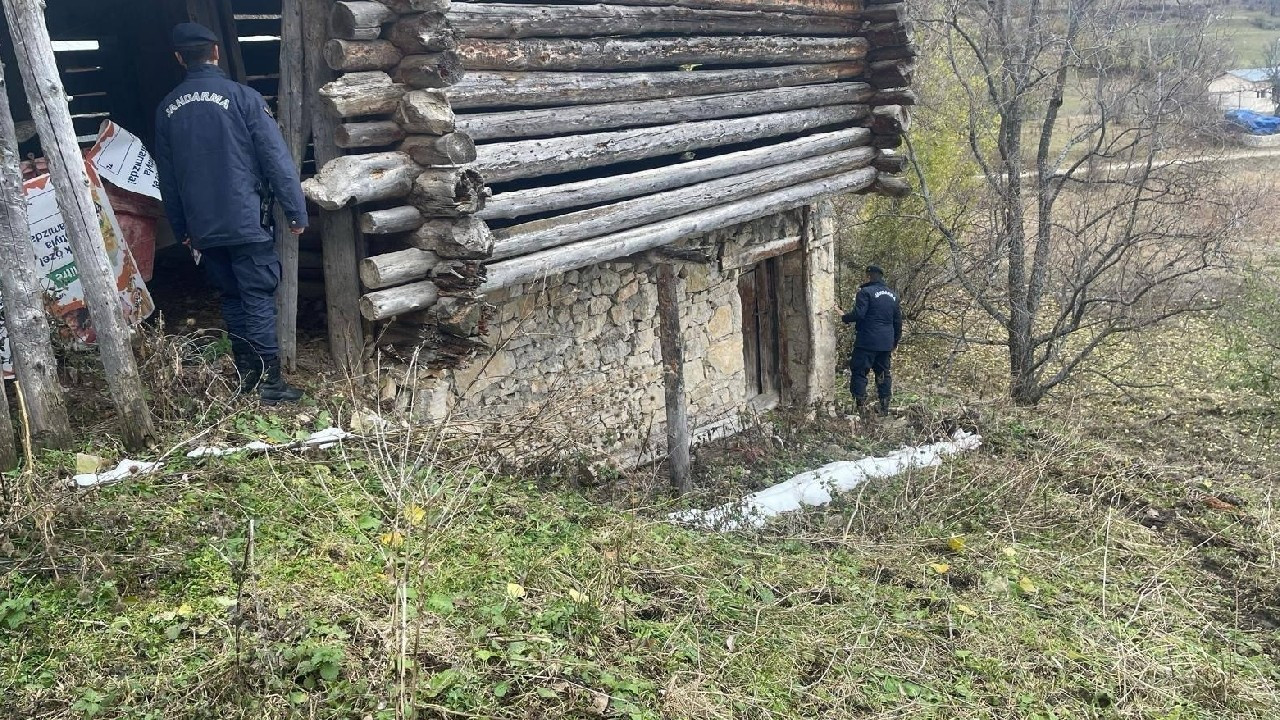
405 169
607 128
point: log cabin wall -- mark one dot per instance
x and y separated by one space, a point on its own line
494 143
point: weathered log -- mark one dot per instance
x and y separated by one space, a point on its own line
405 7
359 19
501 162
426 33
383 304
341 241
890 162
585 118
295 126
34 51
362 93
368 134
467 238
899 52
842 8
892 186
667 52
671 340
458 316
891 12
749 255
30 345
361 55
594 222
425 111
891 73
535 201
889 120
397 268
889 34
480 20
362 178
450 149
629 242
448 192
886 142
550 89
393 220
434 70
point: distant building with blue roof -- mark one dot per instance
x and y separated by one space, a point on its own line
1244 89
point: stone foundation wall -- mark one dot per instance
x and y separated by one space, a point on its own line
577 364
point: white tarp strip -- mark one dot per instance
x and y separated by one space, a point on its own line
816 487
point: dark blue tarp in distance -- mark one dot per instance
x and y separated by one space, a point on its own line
1254 123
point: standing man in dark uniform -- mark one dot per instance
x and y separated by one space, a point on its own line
878 319
221 159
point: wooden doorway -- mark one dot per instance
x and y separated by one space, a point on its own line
759 287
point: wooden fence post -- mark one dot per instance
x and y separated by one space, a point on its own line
672 340
296 126
30 347
47 98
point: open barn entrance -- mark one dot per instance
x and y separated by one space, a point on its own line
116 63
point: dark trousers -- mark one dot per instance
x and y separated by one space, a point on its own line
864 361
246 276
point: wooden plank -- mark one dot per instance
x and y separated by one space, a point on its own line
551 89
594 222
587 118
340 238
501 162
31 347
767 321
84 233
295 124
513 21
535 201
753 254
811 7
635 54
610 247
750 330
671 339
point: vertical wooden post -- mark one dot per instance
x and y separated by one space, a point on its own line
8 441
340 237
218 17
47 98
672 340
291 109
29 335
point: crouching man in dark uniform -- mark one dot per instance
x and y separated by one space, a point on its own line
221 157
878 319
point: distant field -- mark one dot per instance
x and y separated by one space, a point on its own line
1249 41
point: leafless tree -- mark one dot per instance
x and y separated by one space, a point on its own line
1273 74
1092 220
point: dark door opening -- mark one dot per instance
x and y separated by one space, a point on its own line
761 330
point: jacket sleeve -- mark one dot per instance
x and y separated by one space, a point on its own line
897 323
274 159
168 184
860 307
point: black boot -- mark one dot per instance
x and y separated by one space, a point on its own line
884 406
274 390
249 367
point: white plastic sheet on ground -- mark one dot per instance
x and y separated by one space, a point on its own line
816 487
319 440
126 469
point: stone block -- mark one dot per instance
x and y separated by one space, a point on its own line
725 357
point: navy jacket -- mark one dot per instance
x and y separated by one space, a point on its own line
877 317
219 151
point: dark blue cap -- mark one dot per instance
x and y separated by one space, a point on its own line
874 270
186 35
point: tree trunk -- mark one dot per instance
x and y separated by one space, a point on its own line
450 149
536 201
340 240
30 348
397 268
363 93
671 338
425 111
465 238
530 158
627 54
479 20
383 304
420 34
394 220
295 124
586 118
34 51
379 133
555 89
359 20
361 55
513 272
435 70
448 192
349 179
597 221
